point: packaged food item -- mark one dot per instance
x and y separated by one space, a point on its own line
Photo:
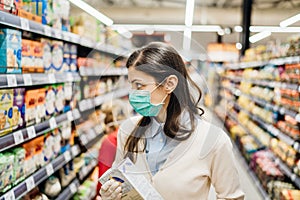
7 5
27 56
6 111
57 56
67 58
6 177
31 104
19 158
48 147
39 152
10 51
37 51
29 161
73 61
47 55
50 100
60 98
56 142
40 107
19 108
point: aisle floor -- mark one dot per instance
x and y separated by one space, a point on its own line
248 185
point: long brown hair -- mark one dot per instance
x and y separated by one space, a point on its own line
161 60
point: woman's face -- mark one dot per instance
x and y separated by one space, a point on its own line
142 81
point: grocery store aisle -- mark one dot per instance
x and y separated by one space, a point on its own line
248 185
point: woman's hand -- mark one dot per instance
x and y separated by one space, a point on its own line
111 190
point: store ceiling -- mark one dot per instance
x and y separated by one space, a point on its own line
260 4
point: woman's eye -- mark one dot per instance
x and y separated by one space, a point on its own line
138 85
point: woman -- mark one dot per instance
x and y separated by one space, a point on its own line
176 150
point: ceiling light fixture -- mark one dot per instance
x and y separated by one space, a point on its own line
259 36
187 39
123 31
143 27
189 12
92 11
238 29
290 21
274 29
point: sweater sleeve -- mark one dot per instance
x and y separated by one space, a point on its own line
224 174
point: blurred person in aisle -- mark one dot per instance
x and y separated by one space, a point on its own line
179 152
115 111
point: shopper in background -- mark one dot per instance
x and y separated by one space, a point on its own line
178 152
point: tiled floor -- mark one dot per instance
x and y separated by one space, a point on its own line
247 183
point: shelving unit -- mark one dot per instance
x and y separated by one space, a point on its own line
278 109
87 104
34 27
13 139
41 175
35 79
22 80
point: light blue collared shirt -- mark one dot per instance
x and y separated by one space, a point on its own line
158 147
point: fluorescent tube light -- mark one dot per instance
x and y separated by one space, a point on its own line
259 36
274 29
238 29
187 39
189 12
143 27
290 21
92 11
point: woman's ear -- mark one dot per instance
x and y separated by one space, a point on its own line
171 84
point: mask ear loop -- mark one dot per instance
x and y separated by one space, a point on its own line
162 101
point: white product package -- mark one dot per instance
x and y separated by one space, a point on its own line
135 186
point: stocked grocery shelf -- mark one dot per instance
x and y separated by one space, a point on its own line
287 171
266 83
31 26
21 80
86 170
15 138
277 61
68 192
86 71
264 103
87 104
41 175
271 129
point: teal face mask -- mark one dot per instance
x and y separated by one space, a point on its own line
140 100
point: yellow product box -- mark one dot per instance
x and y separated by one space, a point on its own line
6 111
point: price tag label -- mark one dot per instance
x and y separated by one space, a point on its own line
49 169
27 79
70 116
84 140
70 77
67 156
73 188
18 137
76 114
25 24
52 123
293 177
31 132
30 183
51 78
47 31
66 36
11 80
57 33
9 195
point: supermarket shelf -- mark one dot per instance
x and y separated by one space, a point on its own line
13 139
271 129
21 80
278 61
93 139
86 170
86 71
265 104
31 26
87 104
266 83
41 175
287 171
68 192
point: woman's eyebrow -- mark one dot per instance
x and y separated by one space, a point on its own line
134 80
